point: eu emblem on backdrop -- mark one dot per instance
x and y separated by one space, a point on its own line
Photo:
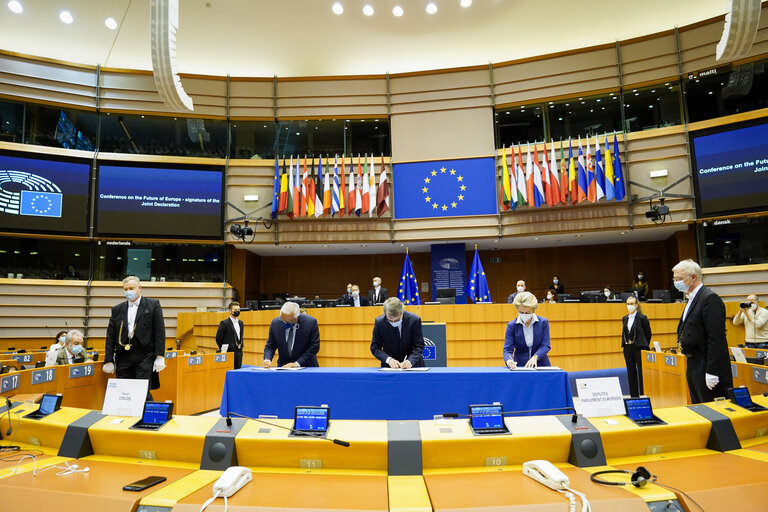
40 204
445 188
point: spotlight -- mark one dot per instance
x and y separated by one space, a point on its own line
66 17
431 8
111 23
15 6
337 8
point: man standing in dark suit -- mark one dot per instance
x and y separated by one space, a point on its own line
230 333
377 294
397 338
701 335
135 344
355 300
295 336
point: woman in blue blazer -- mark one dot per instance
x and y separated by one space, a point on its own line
526 342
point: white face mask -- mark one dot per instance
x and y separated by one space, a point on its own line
525 317
753 307
607 294
521 288
549 297
631 308
376 284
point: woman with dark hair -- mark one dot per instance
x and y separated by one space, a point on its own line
640 285
635 337
556 285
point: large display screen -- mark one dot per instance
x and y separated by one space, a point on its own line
43 194
730 168
168 202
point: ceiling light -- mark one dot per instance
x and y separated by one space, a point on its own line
397 11
110 23
431 8
368 10
465 3
337 8
66 17
15 6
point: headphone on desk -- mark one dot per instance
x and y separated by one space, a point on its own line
640 477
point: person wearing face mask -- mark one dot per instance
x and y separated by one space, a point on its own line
72 351
377 294
59 341
635 337
230 333
551 297
135 343
346 296
520 289
607 294
526 342
355 300
295 336
755 321
556 285
397 339
640 286
701 336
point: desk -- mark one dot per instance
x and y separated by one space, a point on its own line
367 393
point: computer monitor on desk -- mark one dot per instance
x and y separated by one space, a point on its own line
591 296
445 295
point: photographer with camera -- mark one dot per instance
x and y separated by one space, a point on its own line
755 320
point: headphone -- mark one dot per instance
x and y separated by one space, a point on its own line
640 477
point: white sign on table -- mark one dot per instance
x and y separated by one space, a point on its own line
738 354
125 397
600 397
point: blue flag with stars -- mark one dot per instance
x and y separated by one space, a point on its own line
408 289
477 284
445 188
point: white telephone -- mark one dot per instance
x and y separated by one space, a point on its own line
231 481
546 473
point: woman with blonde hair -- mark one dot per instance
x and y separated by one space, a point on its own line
526 341
635 337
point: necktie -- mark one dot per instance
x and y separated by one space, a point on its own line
291 338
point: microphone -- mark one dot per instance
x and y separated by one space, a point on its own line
8 406
345 444
574 418
49 331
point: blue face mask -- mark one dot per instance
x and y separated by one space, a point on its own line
355 293
131 295
76 349
396 324
681 286
286 325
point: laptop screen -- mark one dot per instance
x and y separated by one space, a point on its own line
484 417
311 419
156 413
741 397
639 408
48 404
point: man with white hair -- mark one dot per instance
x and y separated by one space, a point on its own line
71 352
295 336
701 335
398 341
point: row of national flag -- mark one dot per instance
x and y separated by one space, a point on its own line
304 189
580 178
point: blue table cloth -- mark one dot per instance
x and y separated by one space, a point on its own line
370 394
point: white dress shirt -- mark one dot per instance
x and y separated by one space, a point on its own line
528 330
691 296
133 308
631 321
236 324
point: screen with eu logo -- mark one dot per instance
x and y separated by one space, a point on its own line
444 188
40 194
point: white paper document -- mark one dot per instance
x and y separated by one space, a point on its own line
125 397
417 369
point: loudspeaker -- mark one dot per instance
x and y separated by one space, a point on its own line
741 24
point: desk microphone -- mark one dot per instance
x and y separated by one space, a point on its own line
8 406
345 444
574 418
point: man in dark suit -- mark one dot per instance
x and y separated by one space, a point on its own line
135 344
295 336
344 299
377 294
397 338
230 333
355 300
701 335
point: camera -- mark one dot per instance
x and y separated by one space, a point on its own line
745 305
658 212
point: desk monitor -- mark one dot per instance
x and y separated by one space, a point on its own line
487 419
445 293
310 420
740 396
48 404
664 295
639 410
155 415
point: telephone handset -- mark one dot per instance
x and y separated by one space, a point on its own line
546 473
231 481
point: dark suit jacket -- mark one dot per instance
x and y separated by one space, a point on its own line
702 333
383 295
149 334
385 341
515 347
306 343
225 335
640 334
363 301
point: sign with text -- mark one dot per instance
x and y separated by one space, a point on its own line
449 270
125 397
600 397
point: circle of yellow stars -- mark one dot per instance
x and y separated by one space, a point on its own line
401 290
442 207
477 275
43 208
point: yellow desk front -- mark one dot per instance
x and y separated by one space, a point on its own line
45 432
664 378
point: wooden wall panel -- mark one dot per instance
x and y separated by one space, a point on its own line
652 58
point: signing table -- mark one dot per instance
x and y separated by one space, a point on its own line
372 394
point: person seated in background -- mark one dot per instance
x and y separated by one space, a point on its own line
295 336
397 339
520 288
640 286
755 321
356 300
377 294
344 299
551 297
526 342
58 341
71 352
607 294
635 337
71 272
556 285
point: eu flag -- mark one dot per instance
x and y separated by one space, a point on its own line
40 204
408 289
477 285
446 188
